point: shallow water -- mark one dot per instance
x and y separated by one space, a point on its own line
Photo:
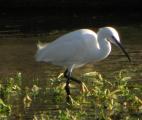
17 52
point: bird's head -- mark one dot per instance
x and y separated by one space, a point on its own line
112 36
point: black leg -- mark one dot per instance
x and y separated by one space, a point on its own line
67 75
75 80
71 78
67 87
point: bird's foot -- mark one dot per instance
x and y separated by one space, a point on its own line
84 88
68 99
71 101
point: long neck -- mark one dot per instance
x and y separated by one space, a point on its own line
104 46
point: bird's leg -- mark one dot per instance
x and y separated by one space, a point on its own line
83 86
72 78
67 87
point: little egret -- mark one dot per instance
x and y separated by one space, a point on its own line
78 48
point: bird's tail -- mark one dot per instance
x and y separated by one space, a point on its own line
41 45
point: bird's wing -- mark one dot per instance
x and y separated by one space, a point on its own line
71 48
67 51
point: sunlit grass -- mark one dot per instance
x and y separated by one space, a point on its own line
116 98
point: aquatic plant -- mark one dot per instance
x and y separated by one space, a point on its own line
71 115
12 86
4 108
111 99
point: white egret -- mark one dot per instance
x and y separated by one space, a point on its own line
78 48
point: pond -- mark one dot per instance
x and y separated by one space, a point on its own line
17 51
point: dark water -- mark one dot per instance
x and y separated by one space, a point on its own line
17 50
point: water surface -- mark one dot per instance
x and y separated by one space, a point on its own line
17 50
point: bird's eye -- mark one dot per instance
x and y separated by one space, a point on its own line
113 37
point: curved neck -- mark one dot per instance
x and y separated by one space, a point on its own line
104 46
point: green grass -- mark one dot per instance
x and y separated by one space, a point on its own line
113 99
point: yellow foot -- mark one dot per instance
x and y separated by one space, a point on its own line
71 101
84 88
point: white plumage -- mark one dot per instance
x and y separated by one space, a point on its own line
79 47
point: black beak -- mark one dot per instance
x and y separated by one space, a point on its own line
122 48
